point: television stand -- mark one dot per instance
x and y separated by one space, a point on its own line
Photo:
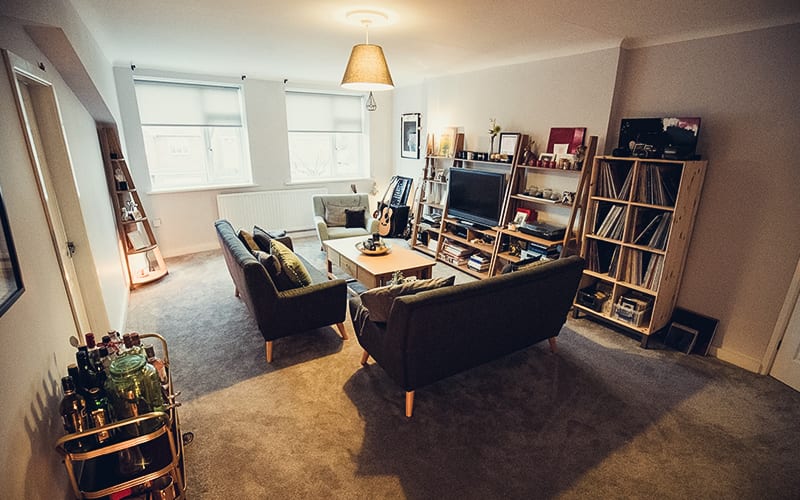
473 225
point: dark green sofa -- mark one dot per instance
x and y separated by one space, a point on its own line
438 333
281 313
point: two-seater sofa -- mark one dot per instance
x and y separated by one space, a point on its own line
438 333
281 312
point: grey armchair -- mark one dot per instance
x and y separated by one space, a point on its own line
329 218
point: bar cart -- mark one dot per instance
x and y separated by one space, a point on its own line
147 454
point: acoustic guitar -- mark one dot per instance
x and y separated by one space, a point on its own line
385 212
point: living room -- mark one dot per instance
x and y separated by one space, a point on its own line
738 78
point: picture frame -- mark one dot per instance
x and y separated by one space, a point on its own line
11 286
447 141
508 143
521 217
547 156
572 136
409 135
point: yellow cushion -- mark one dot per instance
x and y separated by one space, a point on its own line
292 267
247 239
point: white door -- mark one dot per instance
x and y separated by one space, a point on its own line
35 98
787 361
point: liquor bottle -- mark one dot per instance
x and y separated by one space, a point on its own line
98 413
90 341
105 359
127 343
73 412
136 344
157 363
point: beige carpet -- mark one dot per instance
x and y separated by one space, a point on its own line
602 419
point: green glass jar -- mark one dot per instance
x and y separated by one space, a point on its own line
133 388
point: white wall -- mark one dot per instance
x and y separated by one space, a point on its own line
37 327
187 218
745 243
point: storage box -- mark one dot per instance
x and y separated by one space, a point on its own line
629 315
594 297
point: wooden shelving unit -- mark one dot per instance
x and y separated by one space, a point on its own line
491 244
640 218
143 257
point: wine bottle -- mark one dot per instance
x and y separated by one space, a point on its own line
73 413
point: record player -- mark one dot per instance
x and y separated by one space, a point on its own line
544 230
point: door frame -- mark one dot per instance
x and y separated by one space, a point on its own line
782 323
17 68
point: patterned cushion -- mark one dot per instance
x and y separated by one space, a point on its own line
290 264
379 300
335 215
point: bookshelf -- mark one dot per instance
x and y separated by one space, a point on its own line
640 218
142 255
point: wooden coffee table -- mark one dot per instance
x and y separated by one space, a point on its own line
375 270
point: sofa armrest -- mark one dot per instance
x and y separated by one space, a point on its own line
320 303
322 228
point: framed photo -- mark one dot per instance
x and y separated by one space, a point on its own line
508 143
447 142
571 136
11 286
547 156
521 216
409 135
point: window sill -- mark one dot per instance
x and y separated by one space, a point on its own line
327 181
201 188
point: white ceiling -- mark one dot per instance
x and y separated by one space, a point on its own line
310 41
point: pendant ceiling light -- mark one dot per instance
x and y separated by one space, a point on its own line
367 68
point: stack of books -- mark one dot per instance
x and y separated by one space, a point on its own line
454 253
535 249
478 262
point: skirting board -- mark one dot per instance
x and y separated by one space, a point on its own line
735 358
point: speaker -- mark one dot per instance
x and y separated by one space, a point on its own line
399 220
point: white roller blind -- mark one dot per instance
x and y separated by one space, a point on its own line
180 104
310 112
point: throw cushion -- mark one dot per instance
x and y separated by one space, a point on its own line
273 268
379 300
354 218
248 240
335 215
292 267
261 238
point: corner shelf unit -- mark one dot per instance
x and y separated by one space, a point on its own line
640 217
142 255
95 473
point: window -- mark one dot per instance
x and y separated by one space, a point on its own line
327 137
194 134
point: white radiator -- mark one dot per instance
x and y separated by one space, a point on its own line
289 210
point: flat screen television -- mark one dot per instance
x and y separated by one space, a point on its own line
475 196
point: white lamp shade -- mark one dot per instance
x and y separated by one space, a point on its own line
367 69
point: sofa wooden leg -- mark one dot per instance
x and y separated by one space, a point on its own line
342 331
269 351
235 292
409 403
364 358
553 345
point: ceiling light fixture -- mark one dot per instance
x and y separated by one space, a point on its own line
367 68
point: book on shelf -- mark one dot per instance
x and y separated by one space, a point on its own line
659 237
654 187
451 259
451 248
